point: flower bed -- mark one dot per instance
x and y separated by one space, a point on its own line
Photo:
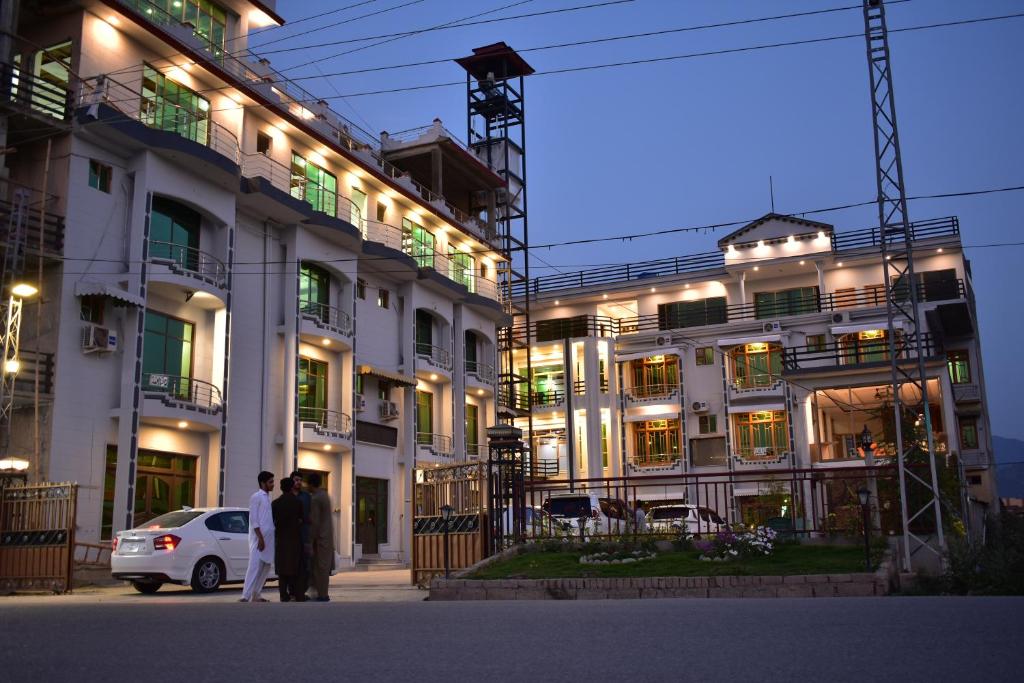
726 545
618 557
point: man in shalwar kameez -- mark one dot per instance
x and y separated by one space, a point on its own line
261 540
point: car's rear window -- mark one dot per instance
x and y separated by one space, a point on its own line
668 513
172 520
710 516
570 507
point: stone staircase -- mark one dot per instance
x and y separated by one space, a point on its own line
370 563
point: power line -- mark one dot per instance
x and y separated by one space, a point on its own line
301 20
339 23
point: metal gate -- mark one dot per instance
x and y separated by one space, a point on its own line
37 537
463 487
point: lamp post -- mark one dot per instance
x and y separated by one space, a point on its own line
446 516
865 498
10 337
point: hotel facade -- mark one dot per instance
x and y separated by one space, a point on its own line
234 277
735 378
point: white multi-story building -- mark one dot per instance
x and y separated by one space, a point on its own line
234 278
700 378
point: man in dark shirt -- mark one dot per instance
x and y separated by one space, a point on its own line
288 519
302 579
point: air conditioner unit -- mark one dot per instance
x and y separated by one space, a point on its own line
699 406
360 404
663 340
773 326
388 410
838 318
96 339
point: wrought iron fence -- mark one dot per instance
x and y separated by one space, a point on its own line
327 317
331 421
183 389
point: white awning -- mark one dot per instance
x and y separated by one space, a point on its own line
864 327
667 351
93 288
643 417
757 407
736 341
389 375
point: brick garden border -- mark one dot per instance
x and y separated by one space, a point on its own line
619 588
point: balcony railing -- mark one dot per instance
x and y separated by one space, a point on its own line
125 96
966 393
477 450
31 94
483 371
759 454
434 355
548 399
653 459
20 209
182 389
650 392
331 422
711 261
854 352
319 198
25 380
327 317
190 262
438 444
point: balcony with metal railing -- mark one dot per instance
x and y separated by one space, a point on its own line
480 373
434 356
34 98
173 398
119 109
325 321
321 427
757 387
180 261
547 400
654 463
651 394
853 352
20 213
431 445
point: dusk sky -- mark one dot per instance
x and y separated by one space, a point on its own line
693 141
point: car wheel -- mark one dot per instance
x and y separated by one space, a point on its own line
146 587
208 575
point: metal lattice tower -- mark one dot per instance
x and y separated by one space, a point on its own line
13 265
920 503
496 131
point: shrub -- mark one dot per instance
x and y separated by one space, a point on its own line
726 545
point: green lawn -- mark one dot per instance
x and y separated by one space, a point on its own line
787 559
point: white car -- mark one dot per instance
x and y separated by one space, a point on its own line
696 520
200 547
603 515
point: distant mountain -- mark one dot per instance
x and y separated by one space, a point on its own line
1009 455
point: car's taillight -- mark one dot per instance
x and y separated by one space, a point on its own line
166 542
113 545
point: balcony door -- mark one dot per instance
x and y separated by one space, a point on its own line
167 355
169 105
471 351
424 333
174 233
314 291
424 418
315 185
418 242
756 365
312 391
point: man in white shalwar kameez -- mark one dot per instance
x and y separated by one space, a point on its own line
261 540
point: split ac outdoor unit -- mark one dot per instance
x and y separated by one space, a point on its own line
838 318
773 326
663 340
699 406
96 339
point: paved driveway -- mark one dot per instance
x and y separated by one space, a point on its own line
177 638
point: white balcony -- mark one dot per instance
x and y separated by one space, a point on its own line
762 389
324 429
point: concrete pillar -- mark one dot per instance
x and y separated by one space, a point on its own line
591 400
458 384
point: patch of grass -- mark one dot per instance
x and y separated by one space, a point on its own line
787 559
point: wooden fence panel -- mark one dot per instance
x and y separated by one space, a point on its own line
37 530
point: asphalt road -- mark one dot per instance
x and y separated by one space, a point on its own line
180 638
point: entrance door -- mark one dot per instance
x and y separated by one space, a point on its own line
371 513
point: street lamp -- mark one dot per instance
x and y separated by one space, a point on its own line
446 516
865 498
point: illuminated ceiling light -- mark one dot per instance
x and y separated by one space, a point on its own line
327 446
760 244
888 258
11 366
687 285
939 250
557 302
24 290
653 290
840 264
16 464
479 392
821 234
433 376
790 239
605 296
182 424
802 262
731 249
757 267
325 341
113 21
